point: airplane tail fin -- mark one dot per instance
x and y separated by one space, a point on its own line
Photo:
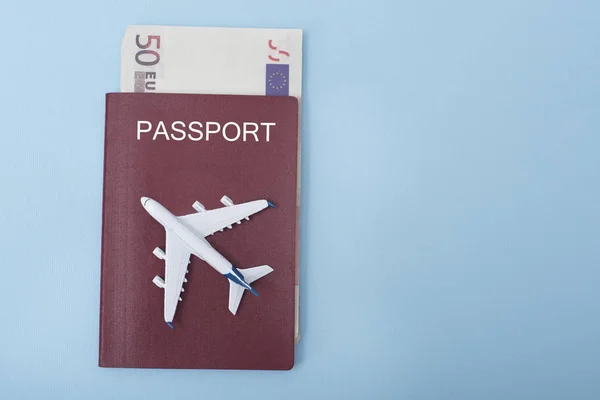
250 275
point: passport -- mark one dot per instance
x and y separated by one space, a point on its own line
179 148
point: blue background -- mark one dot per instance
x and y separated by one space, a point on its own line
450 199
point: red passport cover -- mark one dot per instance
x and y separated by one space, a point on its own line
133 333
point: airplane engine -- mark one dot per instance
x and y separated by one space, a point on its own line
158 281
226 201
198 207
159 253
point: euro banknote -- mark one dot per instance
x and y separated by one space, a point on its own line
172 59
247 61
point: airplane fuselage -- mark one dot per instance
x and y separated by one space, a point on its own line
197 245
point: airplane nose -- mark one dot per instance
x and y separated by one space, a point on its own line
144 200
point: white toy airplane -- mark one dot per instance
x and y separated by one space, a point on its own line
185 235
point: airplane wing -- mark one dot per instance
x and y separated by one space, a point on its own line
206 223
177 260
